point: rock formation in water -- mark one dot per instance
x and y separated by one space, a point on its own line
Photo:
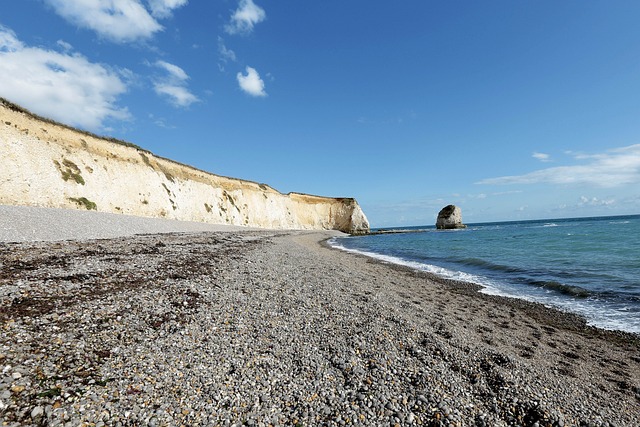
450 217
43 163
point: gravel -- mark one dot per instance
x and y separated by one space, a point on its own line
268 328
29 224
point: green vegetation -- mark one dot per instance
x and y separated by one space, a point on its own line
66 175
69 170
71 165
83 201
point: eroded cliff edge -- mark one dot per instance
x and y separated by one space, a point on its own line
43 163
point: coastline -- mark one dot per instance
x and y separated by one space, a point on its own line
546 314
582 266
276 328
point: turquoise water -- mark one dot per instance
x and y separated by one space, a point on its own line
590 266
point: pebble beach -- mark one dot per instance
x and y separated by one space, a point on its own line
273 328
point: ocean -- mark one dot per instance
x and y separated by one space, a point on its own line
589 266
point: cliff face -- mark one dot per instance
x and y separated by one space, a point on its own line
47 164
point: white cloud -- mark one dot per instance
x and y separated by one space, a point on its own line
613 168
245 18
64 45
541 156
62 86
164 8
175 71
8 41
117 20
225 54
507 193
594 201
160 122
180 96
251 83
174 85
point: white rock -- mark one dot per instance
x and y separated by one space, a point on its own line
37 413
450 217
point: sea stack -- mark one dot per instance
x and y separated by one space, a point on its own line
450 217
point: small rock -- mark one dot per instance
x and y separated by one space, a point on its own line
17 388
37 413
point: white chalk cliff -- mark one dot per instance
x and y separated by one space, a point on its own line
47 164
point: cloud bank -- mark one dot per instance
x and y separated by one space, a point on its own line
613 168
66 87
251 83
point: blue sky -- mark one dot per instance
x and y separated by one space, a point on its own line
509 109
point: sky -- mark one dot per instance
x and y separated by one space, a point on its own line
511 110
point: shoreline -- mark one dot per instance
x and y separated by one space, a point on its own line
276 328
603 293
542 313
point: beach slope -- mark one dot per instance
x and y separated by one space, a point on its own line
273 328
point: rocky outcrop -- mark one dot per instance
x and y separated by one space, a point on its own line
47 164
450 217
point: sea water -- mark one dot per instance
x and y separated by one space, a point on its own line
589 266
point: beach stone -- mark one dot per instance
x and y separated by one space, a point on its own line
449 217
37 413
